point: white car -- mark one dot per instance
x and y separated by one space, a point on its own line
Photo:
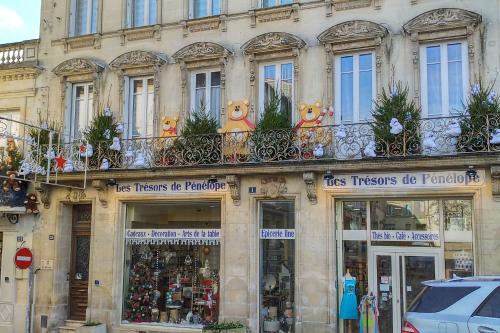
461 305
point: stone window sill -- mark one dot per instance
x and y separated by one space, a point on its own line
204 24
82 41
276 13
138 33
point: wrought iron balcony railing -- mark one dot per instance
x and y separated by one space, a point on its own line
424 137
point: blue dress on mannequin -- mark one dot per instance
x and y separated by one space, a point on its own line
349 304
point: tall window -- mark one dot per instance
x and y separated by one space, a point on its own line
141 12
204 8
444 77
80 116
278 79
206 93
354 87
272 3
140 108
83 17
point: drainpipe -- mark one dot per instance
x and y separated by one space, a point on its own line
31 301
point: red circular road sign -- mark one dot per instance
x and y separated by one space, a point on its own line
23 258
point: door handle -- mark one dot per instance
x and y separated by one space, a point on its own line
484 329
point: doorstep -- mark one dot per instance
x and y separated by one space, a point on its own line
155 329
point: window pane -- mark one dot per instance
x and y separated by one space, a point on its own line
81 16
215 95
269 83
457 215
201 80
138 117
200 8
286 88
215 7
268 3
491 308
455 79
346 88
200 91
1 247
93 20
434 94
286 2
277 265
436 299
139 13
215 79
356 261
152 12
458 259
79 112
365 86
354 215
177 280
150 109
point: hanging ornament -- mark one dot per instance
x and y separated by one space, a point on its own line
454 129
86 150
318 151
50 154
370 149
139 161
107 111
60 162
107 134
25 168
206 250
104 164
396 127
119 128
495 136
116 144
68 166
188 261
341 132
428 143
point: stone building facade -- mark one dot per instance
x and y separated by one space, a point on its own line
267 238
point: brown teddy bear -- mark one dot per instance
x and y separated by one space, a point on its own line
237 128
11 182
31 204
169 127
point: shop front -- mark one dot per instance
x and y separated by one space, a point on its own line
393 233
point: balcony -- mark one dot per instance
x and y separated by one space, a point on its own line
428 138
19 55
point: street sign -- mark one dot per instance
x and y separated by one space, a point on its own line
23 258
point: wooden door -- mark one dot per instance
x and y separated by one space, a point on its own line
80 254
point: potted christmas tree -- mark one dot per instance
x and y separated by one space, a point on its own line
225 327
396 123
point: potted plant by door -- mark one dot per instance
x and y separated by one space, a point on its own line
92 327
225 327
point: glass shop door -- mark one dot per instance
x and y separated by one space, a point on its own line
397 279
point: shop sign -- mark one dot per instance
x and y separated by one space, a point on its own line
404 236
454 178
170 187
277 233
173 236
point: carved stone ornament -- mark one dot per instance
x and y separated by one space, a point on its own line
442 19
495 182
235 187
350 4
78 66
272 41
102 191
352 30
44 194
138 59
273 187
310 181
75 195
201 51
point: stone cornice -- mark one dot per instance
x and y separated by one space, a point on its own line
201 51
272 42
321 166
353 31
138 58
78 66
442 19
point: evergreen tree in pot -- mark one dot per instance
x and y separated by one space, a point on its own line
396 123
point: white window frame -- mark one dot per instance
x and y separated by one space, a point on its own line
147 18
73 20
445 109
355 83
278 82
278 3
129 112
209 9
73 130
208 91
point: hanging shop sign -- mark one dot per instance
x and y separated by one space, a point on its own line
173 236
172 187
277 233
404 236
454 178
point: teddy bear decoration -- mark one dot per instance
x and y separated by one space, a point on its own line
314 138
11 183
31 204
237 129
169 127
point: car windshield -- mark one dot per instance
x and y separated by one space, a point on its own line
433 299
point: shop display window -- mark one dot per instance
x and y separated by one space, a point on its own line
354 215
408 215
458 250
277 266
172 260
1 248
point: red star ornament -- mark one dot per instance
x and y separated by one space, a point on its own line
60 162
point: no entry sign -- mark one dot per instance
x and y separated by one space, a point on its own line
23 258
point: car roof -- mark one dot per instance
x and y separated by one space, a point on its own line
469 281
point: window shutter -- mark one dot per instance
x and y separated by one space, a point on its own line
72 18
130 9
68 110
